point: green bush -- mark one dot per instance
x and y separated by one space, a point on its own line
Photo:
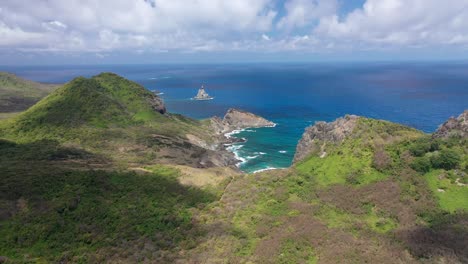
446 159
435 145
421 164
420 147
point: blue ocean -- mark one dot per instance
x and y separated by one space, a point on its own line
294 96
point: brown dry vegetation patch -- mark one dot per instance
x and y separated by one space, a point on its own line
384 195
330 245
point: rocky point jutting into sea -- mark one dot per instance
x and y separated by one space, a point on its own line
218 151
233 122
236 119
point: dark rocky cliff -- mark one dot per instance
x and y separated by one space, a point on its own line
158 104
315 136
454 127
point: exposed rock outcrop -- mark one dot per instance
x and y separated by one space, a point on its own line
453 127
210 150
238 119
158 104
234 119
316 136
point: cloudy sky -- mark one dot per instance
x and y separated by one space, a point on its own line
158 31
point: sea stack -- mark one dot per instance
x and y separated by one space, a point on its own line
202 94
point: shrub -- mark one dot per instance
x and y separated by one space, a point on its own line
352 178
421 164
435 145
381 160
464 180
446 159
420 147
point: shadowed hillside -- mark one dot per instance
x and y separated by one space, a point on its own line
50 212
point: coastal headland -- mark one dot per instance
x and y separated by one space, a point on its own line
99 170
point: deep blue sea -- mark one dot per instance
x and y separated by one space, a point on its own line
421 95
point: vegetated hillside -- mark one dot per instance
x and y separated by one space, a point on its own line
50 212
115 117
82 177
89 187
17 94
106 99
382 193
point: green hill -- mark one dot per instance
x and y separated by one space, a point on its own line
81 174
96 105
112 116
106 99
17 94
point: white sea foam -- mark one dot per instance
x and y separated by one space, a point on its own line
282 151
242 160
265 169
234 132
234 147
161 77
235 150
274 125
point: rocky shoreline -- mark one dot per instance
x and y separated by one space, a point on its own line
235 121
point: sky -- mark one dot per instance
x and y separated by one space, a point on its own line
204 31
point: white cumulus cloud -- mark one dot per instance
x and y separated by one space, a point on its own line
300 13
401 22
187 26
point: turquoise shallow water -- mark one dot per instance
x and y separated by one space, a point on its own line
421 95
269 147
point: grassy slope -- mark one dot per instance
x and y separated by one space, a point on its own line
17 94
346 205
105 100
50 212
105 114
78 199
449 183
102 101
351 161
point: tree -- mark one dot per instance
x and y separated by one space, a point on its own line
446 159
